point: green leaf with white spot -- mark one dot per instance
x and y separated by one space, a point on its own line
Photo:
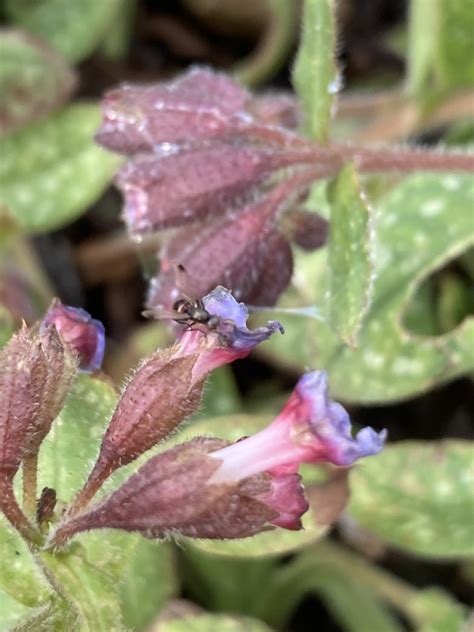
34 79
274 542
145 571
149 581
75 29
420 225
67 453
350 256
208 622
19 575
315 74
92 593
418 497
52 171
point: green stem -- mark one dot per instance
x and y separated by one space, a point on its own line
30 474
274 46
391 589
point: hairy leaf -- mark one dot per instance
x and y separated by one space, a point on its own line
92 592
315 74
68 451
19 575
144 569
34 79
52 171
350 256
418 497
420 225
75 29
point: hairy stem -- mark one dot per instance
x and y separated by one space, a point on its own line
405 160
14 514
30 475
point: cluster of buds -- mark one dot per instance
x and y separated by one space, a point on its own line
223 168
204 488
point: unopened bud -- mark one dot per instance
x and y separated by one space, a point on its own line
36 372
83 333
171 494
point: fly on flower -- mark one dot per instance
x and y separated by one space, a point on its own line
188 310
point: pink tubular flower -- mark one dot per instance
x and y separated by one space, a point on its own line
78 329
310 429
207 489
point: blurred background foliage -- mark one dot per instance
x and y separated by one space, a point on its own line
396 335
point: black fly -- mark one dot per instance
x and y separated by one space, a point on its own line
187 311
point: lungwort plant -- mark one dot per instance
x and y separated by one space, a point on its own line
114 501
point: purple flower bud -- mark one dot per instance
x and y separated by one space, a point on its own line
198 106
165 190
276 109
36 372
249 255
82 332
171 494
306 229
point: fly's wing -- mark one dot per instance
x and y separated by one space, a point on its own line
161 313
183 283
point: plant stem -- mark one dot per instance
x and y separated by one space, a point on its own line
390 588
30 474
15 515
405 160
273 48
